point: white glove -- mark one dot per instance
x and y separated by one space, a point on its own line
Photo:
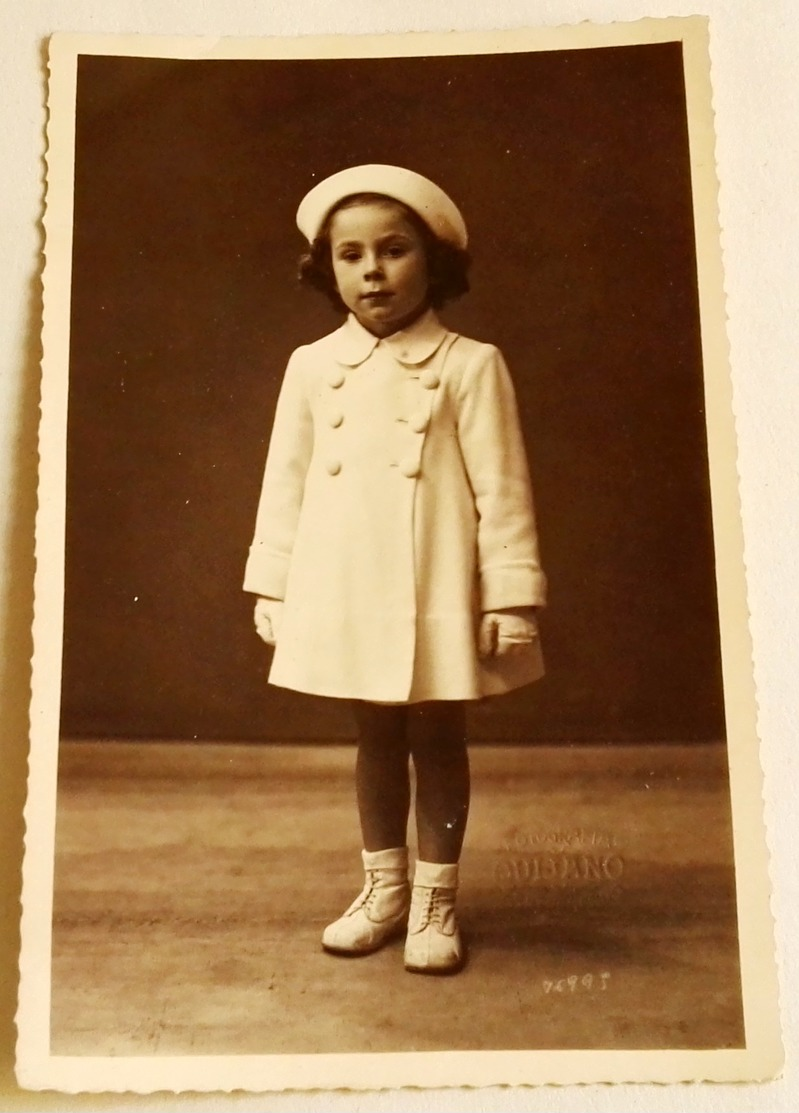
268 613
506 632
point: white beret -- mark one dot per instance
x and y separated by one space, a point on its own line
426 199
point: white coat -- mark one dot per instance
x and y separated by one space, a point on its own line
396 508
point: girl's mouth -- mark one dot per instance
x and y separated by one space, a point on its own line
377 296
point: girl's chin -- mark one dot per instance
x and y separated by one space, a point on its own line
383 320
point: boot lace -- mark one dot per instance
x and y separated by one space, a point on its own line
430 908
368 895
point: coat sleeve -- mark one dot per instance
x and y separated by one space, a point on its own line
287 461
493 452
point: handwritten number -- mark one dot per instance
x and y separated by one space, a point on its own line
576 982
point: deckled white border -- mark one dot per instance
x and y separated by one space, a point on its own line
37 1069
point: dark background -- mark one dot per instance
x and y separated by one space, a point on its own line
572 171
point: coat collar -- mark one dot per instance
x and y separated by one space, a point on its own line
352 343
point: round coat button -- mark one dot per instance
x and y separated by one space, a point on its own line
429 380
336 419
419 423
409 468
336 378
333 467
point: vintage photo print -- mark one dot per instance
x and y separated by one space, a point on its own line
393 719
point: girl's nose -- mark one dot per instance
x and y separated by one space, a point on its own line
373 268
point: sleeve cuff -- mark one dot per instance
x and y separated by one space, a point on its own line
519 585
266 572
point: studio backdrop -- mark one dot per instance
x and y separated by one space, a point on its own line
572 171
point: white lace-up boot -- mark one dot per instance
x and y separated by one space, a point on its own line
379 912
434 945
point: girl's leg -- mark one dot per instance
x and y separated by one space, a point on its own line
380 911
382 775
437 733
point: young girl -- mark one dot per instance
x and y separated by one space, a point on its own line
395 554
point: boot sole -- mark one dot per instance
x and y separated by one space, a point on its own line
437 971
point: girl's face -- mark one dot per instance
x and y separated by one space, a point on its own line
379 264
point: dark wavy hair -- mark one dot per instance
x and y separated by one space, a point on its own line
447 265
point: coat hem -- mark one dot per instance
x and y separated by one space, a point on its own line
411 699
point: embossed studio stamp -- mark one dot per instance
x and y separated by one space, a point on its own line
565 868
560 857
560 839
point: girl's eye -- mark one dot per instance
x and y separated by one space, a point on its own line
395 251
350 256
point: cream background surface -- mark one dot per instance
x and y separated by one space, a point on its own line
756 98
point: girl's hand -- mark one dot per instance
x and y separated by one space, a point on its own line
506 632
268 613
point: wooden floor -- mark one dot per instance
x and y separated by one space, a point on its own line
193 882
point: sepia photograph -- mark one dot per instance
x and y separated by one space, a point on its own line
392 686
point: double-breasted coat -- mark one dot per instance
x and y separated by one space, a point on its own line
396 509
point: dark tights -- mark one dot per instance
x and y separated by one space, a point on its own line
434 735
